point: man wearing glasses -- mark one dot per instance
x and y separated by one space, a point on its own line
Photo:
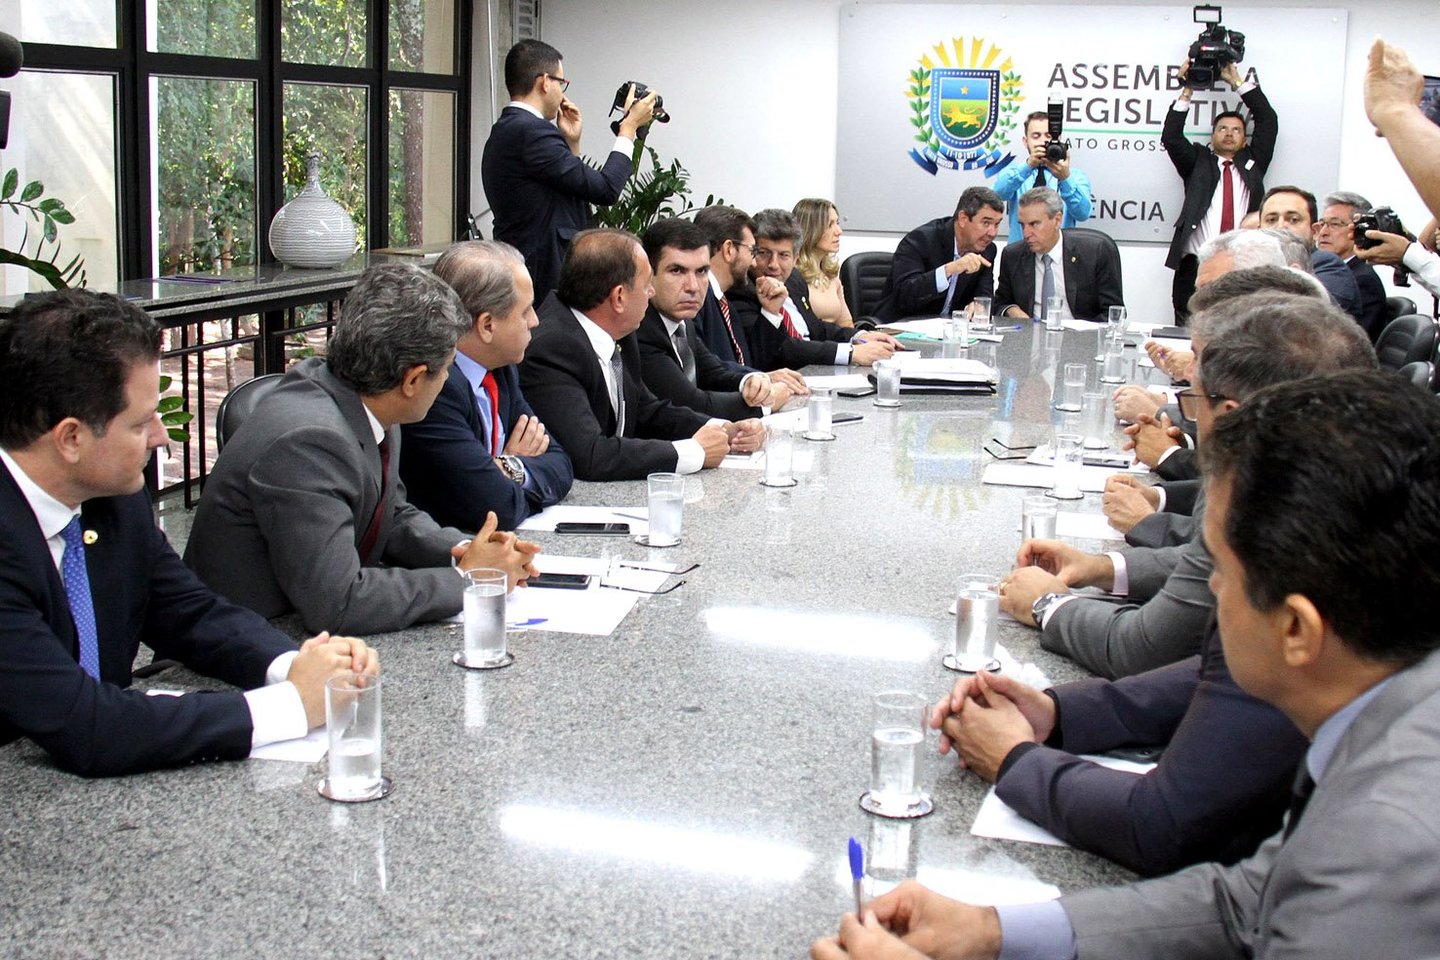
537 185
1336 232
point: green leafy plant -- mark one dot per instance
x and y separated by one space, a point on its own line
50 214
172 413
651 195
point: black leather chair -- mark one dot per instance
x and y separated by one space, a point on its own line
863 275
1398 307
1421 373
238 404
1405 340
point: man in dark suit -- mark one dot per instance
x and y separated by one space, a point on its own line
581 373
674 362
1223 181
1294 210
731 235
1082 268
1325 610
538 187
481 448
942 265
784 331
1335 232
86 576
305 510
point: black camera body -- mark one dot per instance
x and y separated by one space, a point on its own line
640 91
1383 219
1056 150
1215 49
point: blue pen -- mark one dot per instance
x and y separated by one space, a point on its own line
857 874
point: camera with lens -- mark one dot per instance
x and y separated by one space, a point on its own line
1215 49
1056 150
640 91
1385 220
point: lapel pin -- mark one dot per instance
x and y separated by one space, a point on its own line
90 536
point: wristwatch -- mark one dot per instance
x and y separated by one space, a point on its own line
512 467
1039 608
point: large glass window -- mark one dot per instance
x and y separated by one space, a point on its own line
331 121
328 32
62 135
202 28
422 35
80 23
422 168
203 162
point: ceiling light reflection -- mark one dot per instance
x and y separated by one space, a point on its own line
847 634
702 851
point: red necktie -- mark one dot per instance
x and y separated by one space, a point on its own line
372 532
492 390
725 313
1227 199
787 325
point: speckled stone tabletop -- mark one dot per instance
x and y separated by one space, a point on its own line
684 787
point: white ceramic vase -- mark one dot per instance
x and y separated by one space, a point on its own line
312 230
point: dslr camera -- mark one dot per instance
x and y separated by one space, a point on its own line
640 91
1385 220
1215 49
1056 149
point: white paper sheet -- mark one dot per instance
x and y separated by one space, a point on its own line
801 461
1085 526
596 611
838 381
1092 479
307 749
998 820
984 887
934 328
637 517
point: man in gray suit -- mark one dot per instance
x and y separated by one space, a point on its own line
1324 522
1304 336
305 510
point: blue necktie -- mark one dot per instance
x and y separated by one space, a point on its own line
77 591
1047 286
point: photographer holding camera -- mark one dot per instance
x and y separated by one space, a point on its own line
1417 256
1047 165
1335 231
1223 182
539 188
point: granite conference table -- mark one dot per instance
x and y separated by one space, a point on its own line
684 787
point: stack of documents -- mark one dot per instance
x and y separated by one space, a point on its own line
936 375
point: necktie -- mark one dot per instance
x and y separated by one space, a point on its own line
1039 177
725 313
1047 286
617 372
77 592
788 325
492 390
372 532
1227 198
683 351
949 295
1300 797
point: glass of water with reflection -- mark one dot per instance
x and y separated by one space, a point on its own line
352 725
484 612
887 383
980 319
666 499
897 741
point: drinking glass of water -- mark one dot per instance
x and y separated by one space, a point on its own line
1055 313
819 410
666 493
779 456
896 742
980 319
1072 388
887 383
1038 514
977 629
352 722
1096 417
484 599
1069 462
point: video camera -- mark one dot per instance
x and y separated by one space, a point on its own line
640 91
1056 150
1385 220
1215 49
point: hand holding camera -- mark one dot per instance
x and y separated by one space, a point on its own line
639 105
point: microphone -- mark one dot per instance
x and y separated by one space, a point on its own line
12 55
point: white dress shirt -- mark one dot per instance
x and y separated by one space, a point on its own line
1057 270
622 144
842 350
276 712
1210 226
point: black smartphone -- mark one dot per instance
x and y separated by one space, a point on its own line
855 392
845 418
596 529
560 581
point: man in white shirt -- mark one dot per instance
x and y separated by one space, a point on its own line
86 576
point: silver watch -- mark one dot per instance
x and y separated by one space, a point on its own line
1041 605
511 466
